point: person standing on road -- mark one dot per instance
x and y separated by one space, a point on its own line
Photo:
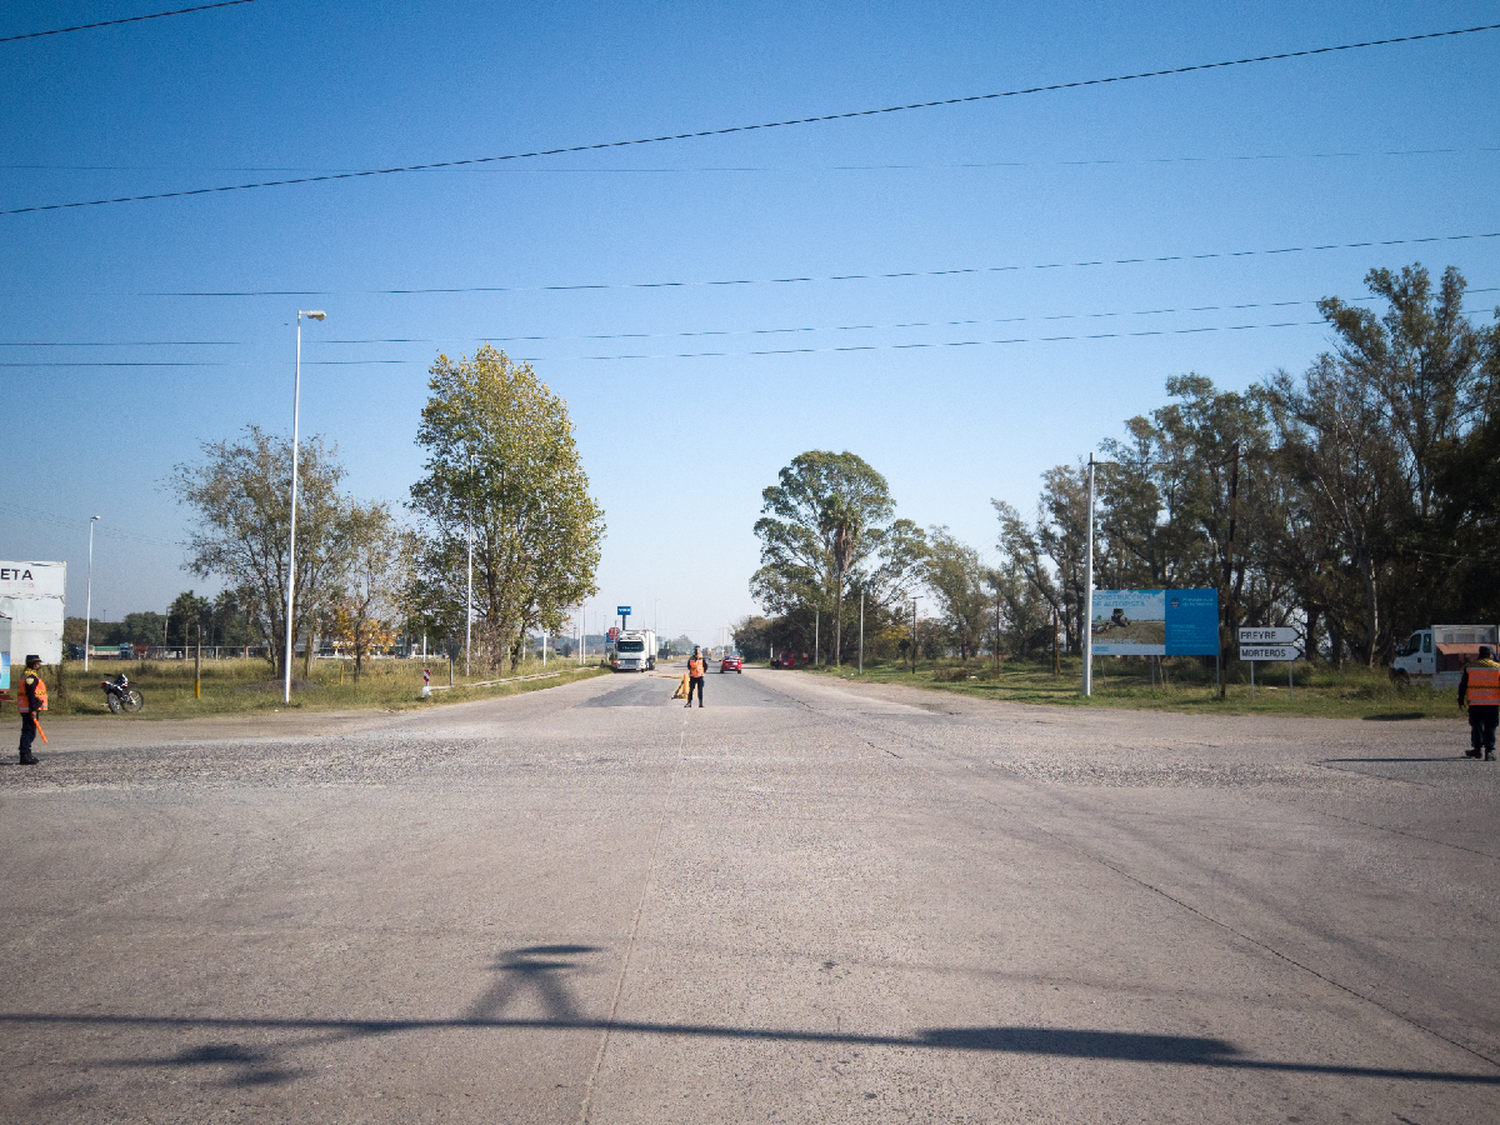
31 697
1480 689
697 665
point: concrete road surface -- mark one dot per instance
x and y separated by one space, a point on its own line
806 902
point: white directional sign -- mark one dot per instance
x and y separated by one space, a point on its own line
1274 635
1269 652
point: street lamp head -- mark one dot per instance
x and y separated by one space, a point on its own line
92 518
315 314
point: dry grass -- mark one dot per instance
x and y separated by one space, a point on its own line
1126 682
240 686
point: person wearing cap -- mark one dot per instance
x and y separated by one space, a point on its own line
31 697
1479 688
697 666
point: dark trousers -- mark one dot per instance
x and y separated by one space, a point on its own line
28 733
1482 722
697 682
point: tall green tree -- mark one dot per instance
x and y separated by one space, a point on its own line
502 467
829 522
240 497
956 576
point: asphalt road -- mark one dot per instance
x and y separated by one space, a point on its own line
806 902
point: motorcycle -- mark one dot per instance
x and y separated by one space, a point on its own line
121 696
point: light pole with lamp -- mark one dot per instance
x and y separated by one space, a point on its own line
88 613
291 563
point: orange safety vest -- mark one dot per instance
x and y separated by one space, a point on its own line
695 668
1484 686
23 698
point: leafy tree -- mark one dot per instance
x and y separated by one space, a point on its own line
240 495
190 614
501 465
956 576
829 524
366 614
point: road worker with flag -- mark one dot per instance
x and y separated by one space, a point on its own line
31 698
1480 690
697 666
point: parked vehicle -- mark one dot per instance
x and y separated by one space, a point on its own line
635 651
1438 656
731 662
121 695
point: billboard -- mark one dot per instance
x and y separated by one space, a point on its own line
1155 622
31 609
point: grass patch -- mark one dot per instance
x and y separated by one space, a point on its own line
1127 682
244 687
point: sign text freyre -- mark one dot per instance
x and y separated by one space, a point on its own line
1274 635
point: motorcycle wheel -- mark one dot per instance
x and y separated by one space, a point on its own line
114 702
134 700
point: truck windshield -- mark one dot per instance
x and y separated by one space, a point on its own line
632 646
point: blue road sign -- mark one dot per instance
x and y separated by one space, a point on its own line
623 610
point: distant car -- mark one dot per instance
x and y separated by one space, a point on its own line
731 662
787 660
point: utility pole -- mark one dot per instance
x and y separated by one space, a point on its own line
1088 594
1226 611
861 632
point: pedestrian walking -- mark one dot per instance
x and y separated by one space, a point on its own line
697 665
1479 688
31 697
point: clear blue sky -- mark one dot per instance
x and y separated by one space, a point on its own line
1389 143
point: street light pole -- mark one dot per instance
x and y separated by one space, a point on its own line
1088 594
88 613
291 562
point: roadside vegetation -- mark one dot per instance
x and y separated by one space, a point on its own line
245 687
1319 690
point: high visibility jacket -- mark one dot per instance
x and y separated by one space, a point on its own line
695 667
1484 685
31 685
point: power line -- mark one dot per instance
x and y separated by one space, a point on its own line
804 280
965 164
695 334
715 354
127 19
702 133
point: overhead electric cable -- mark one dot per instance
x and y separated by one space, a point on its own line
126 19
710 355
712 332
895 274
819 119
907 167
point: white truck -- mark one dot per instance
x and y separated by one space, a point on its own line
1438 656
635 651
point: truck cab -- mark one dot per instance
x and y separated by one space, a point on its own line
635 651
1438 656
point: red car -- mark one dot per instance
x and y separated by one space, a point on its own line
731 662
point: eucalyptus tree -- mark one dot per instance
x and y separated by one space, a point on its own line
503 474
956 575
829 521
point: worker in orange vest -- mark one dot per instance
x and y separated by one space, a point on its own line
31 697
1480 689
697 665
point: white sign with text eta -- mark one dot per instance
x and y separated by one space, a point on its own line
1269 652
1274 635
31 609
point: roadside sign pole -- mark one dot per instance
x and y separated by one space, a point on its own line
1252 679
861 632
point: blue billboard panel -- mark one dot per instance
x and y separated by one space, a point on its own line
1192 622
1155 622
